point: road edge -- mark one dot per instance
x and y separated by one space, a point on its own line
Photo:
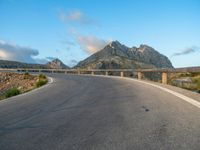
179 95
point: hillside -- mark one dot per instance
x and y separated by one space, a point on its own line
15 64
54 64
115 55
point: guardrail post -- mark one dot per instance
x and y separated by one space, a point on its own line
79 72
172 75
106 73
121 74
140 75
65 72
164 77
92 73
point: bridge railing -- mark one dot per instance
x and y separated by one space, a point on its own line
140 72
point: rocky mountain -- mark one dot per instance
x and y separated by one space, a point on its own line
54 64
15 64
115 56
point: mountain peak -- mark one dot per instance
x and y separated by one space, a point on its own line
116 55
144 47
56 60
57 64
114 44
117 45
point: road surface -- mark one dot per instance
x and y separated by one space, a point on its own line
98 113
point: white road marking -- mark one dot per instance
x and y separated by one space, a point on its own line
50 80
181 96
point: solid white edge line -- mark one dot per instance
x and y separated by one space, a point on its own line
181 96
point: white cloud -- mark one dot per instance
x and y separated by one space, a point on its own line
90 44
10 51
75 17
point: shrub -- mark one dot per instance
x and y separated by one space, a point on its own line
12 92
42 76
26 74
41 83
198 85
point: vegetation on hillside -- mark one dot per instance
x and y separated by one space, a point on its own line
42 80
190 81
12 92
12 84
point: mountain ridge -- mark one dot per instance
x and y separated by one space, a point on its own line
116 55
113 56
54 64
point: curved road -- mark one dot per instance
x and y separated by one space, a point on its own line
97 113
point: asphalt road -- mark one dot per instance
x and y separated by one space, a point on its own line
97 113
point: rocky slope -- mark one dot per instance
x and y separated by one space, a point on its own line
115 55
24 82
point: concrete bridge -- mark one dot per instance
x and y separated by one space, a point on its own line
90 112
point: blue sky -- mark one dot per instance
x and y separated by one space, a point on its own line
71 30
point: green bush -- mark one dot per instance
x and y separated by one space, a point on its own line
42 76
26 74
198 85
12 92
41 83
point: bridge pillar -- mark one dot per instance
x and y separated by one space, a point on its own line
121 74
106 73
92 73
140 75
164 77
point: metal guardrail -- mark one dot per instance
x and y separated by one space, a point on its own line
140 72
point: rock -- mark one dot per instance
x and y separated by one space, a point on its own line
56 64
118 56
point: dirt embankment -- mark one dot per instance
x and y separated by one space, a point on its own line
22 82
